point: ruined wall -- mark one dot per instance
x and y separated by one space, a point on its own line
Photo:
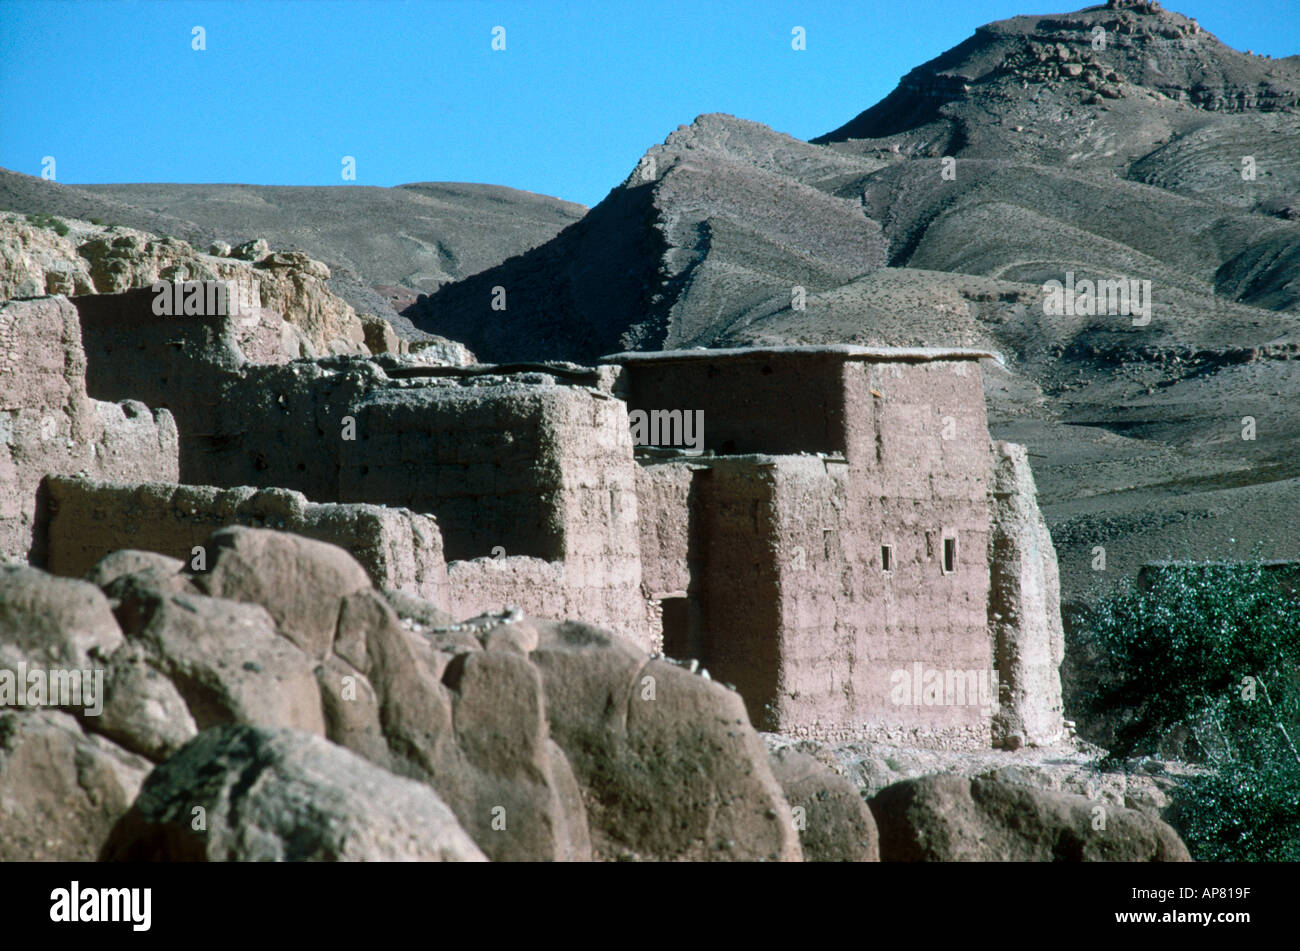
521 470
544 475
283 426
668 503
502 461
49 425
596 504
483 459
90 518
129 346
665 502
204 369
534 464
1024 614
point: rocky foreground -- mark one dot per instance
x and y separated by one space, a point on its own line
278 706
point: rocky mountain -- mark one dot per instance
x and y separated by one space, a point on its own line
1154 73
1120 142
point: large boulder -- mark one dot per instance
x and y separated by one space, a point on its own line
519 781
225 659
833 820
61 791
129 561
351 709
473 724
240 793
669 765
301 582
143 711
53 622
954 819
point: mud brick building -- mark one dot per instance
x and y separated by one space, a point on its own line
845 545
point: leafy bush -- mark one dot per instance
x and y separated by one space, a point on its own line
1241 812
1206 659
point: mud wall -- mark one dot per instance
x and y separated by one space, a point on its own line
90 518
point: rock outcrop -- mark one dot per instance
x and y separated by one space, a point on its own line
37 261
832 818
545 740
61 790
56 622
81 258
669 765
245 794
226 658
954 819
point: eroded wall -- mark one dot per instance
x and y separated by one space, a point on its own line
89 519
1024 615
538 486
48 424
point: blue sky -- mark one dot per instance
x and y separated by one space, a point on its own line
413 90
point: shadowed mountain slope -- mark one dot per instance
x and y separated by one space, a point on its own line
711 229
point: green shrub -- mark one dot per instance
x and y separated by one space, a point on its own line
1241 812
57 225
1206 659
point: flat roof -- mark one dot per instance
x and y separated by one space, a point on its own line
844 350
